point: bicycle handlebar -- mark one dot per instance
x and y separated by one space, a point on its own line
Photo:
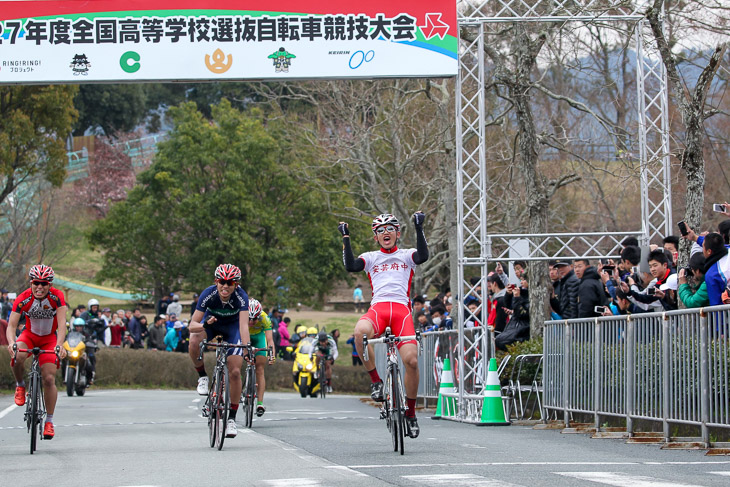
388 338
35 351
219 344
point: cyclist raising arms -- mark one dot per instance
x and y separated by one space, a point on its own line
222 309
390 271
259 326
44 307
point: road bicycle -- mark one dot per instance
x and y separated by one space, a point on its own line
35 403
248 393
393 408
322 374
218 402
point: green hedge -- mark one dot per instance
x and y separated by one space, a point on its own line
151 369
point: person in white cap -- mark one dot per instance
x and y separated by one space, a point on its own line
175 307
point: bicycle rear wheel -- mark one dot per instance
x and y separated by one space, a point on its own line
322 379
223 407
399 416
249 395
390 411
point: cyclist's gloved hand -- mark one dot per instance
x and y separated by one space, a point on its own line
343 229
329 357
418 219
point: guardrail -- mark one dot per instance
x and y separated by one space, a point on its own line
672 367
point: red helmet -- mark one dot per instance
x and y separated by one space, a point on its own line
228 272
41 272
254 308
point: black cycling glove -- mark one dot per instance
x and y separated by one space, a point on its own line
343 228
418 219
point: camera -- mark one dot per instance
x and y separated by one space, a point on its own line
635 270
718 208
651 291
609 268
600 309
682 228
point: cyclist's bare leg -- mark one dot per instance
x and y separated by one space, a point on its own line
409 355
194 348
48 375
364 327
261 361
19 367
234 373
327 369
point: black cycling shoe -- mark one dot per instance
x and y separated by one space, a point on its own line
412 427
376 391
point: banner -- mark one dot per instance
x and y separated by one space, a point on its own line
164 40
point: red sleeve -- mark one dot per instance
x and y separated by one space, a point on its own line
60 298
22 300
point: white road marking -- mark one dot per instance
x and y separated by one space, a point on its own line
622 480
520 464
343 469
197 399
290 482
458 479
726 474
7 410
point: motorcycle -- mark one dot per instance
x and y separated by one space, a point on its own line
304 370
76 366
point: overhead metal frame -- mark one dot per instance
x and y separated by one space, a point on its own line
474 242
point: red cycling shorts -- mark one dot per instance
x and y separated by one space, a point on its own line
46 342
395 315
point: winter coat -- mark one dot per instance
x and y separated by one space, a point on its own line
568 297
590 294
518 327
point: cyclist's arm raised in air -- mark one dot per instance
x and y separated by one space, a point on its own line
421 254
351 264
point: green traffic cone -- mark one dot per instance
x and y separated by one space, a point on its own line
445 405
492 408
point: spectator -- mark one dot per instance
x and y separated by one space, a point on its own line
75 313
693 292
630 242
518 327
440 320
284 337
163 304
172 337
499 271
671 243
157 334
3 331
194 304
357 298
106 315
183 338
6 305
520 267
116 329
145 330
418 305
135 329
473 316
497 318
171 319
355 357
336 337
567 300
422 321
555 281
659 293
628 265
590 291
716 266
622 305
475 296
175 307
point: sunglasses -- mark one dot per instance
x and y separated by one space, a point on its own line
40 283
227 282
382 230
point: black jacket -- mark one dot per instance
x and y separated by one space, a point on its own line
590 294
568 297
518 327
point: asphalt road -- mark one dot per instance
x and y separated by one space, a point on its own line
145 438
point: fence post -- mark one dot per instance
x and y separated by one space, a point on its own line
596 373
704 378
666 355
630 355
566 374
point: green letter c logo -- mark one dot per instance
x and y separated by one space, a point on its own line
130 62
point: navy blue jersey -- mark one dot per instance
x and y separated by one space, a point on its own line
226 313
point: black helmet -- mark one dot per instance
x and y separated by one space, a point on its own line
322 336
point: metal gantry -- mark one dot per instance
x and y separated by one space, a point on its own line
475 245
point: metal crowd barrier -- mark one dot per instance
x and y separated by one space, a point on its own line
438 345
671 367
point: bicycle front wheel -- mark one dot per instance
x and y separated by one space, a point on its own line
322 380
35 390
249 395
213 400
399 421
224 406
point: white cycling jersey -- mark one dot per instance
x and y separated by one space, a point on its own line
390 273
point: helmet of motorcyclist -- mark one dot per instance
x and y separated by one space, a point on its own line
92 302
41 272
385 219
79 322
322 336
228 272
312 331
254 309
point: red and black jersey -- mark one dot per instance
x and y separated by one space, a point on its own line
40 314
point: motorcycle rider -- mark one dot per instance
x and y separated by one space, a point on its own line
94 320
326 349
79 326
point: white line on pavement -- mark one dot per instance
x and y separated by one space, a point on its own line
725 474
344 469
289 482
622 480
521 464
7 410
458 479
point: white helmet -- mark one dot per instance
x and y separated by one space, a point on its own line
385 219
92 302
254 308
